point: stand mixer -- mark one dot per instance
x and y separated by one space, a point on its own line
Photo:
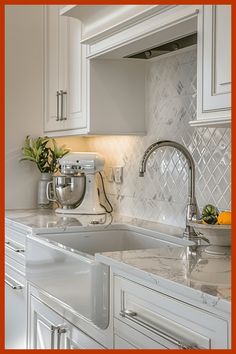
75 189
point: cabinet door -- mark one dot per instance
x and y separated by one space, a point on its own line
75 88
76 339
65 72
48 330
120 343
44 324
15 308
214 63
52 102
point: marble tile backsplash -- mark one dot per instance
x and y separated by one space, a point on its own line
170 104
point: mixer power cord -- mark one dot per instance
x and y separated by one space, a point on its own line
104 192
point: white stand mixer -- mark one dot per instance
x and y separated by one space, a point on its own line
88 164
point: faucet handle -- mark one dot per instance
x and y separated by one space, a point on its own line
201 237
191 235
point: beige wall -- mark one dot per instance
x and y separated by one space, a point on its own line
24 102
24 108
75 143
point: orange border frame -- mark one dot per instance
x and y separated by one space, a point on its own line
2 126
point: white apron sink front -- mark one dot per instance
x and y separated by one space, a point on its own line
63 264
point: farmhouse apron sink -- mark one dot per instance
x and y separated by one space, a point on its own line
63 264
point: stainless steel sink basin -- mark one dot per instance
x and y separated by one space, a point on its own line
63 264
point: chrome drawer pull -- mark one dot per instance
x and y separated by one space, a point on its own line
133 316
58 95
12 283
60 330
62 93
53 329
13 248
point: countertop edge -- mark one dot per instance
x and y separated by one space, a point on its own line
157 282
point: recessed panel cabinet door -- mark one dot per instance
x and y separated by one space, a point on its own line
75 98
214 64
65 72
51 69
43 326
77 339
48 330
221 22
217 57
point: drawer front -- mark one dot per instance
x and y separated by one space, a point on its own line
15 251
13 264
15 244
14 235
168 321
15 309
126 337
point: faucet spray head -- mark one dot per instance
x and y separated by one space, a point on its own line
141 173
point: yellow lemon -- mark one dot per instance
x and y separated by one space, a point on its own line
224 218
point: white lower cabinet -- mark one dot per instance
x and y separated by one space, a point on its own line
76 339
15 289
145 318
48 330
121 343
126 337
15 306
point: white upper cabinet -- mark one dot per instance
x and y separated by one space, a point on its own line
85 96
113 32
214 66
113 87
65 73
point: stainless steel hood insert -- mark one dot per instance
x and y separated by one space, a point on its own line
166 48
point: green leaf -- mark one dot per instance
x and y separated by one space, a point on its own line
28 158
43 151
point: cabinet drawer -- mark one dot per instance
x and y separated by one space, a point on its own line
15 244
166 320
126 337
15 309
13 264
15 251
16 236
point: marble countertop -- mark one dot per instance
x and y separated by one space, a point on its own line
204 273
37 220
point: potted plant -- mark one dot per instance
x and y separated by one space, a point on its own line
44 152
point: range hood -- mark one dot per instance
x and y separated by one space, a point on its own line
168 47
134 31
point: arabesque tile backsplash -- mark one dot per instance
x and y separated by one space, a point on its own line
170 104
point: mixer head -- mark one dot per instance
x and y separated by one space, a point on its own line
81 162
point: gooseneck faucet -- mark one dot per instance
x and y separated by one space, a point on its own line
192 210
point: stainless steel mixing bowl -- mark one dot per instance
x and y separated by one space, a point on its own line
69 190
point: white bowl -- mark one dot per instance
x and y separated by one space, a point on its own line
219 235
